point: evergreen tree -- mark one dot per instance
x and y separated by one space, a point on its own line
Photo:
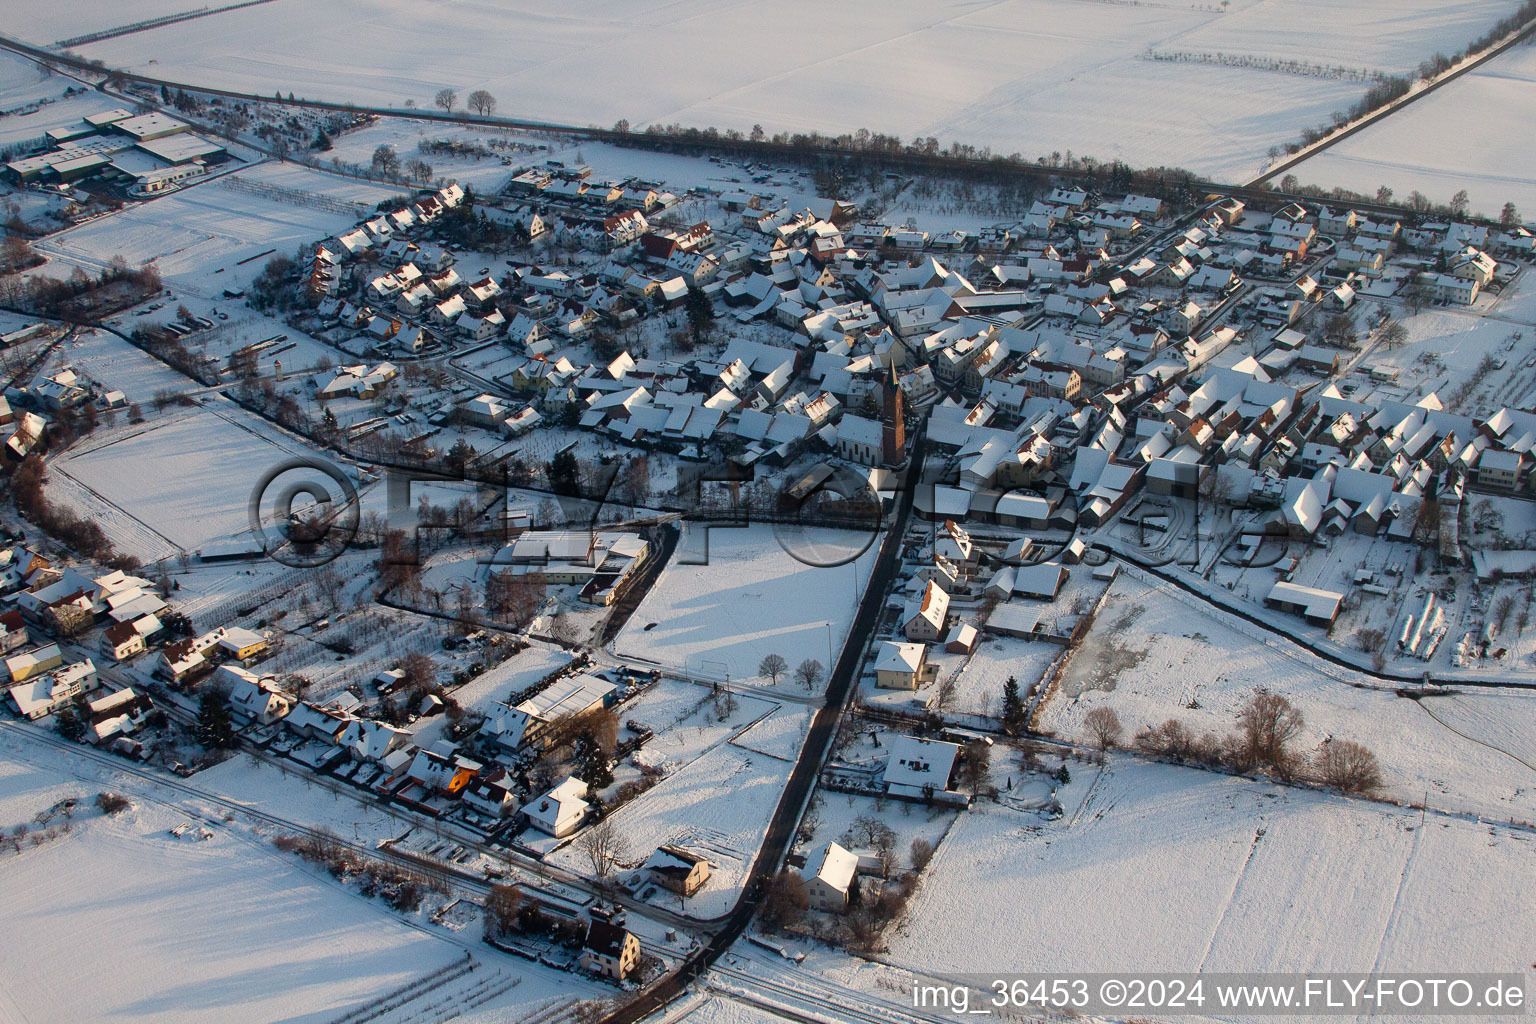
69 724
1063 776
592 765
214 728
1013 705
701 313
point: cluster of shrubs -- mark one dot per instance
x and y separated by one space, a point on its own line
400 887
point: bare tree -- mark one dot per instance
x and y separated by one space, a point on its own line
501 906
1392 333
514 599
445 98
808 673
1105 726
772 666
1267 723
786 901
976 768
385 160
1348 767
481 102
420 672
920 854
604 847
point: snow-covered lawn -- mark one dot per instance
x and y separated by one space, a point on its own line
686 720
753 599
1086 88
719 805
1155 653
979 688
781 734
1166 868
1403 151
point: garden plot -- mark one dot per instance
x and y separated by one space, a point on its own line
1155 653
173 485
718 805
1086 89
485 174
979 687
833 816
718 621
1452 349
1166 868
1406 151
687 720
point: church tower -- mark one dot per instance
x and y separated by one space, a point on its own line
893 435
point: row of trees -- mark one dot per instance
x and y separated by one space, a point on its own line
82 534
480 101
1264 740
809 673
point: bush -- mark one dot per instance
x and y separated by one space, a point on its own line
1349 767
112 803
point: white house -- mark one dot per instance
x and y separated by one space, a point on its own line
918 767
560 811
899 666
923 617
255 698
828 875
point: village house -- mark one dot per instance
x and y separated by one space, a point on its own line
493 793
900 666
680 870
923 616
829 874
610 951
919 768
42 695
560 811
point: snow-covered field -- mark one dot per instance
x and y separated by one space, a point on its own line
751 600
1163 868
196 232
1390 36
187 931
23 83
1152 655
128 922
912 68
174 483
1407 151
